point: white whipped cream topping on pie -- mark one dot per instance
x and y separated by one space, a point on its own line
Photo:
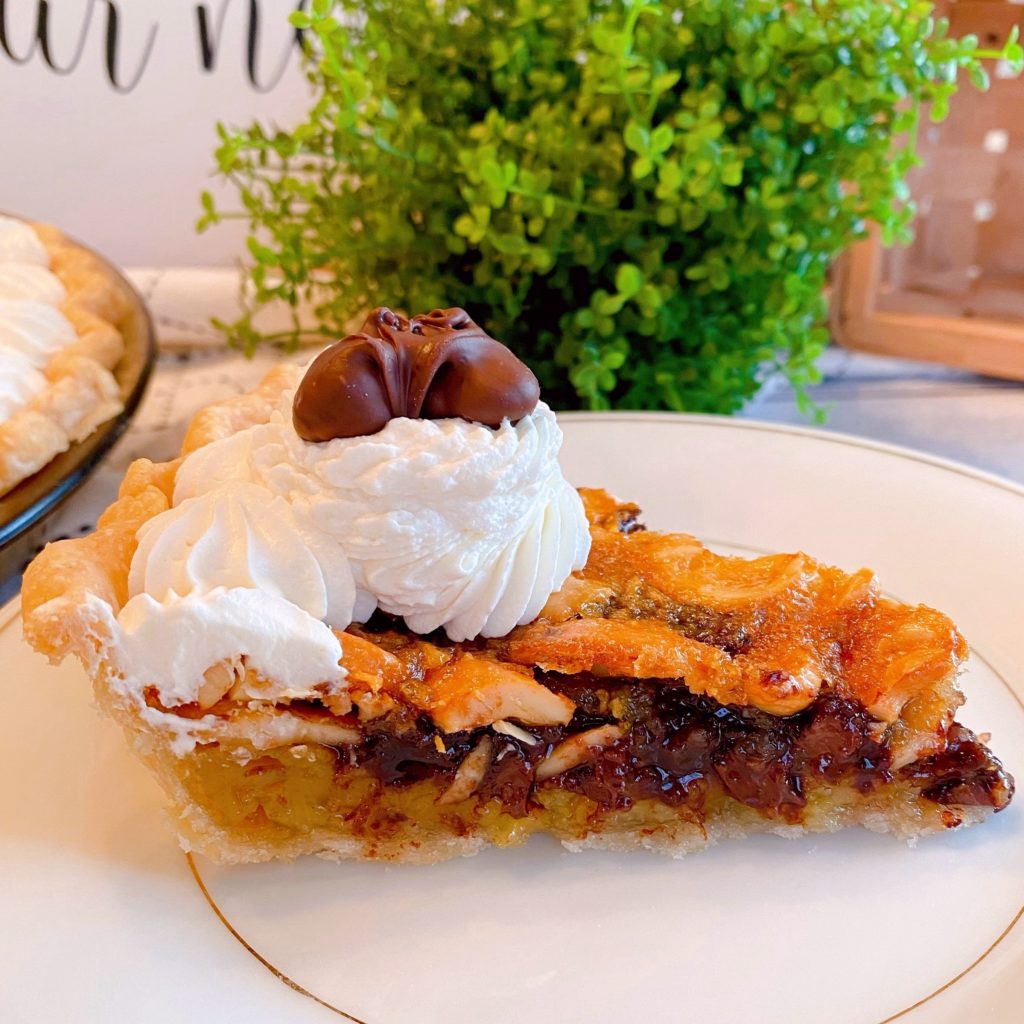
232 572
20 244
449 523
170 644
239 536
444 522
33 329
30 281
20 382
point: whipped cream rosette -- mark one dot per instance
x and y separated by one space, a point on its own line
33 329
19 243
20 382
32 282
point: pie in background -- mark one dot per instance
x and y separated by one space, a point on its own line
364 616
59 341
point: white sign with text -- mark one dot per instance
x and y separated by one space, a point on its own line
108 108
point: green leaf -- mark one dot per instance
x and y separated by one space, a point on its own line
261 253
642 166
607 39
465 226
636 137
608 305
661 138
832 116
492 173
510 245
939 109
732 173
628 280
671 173
665 81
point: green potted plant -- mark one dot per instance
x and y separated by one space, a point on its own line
641 198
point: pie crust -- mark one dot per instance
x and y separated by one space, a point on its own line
665 698
80 392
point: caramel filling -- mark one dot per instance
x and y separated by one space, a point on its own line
636 750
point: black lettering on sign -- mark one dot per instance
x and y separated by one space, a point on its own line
211 31
5 42
113 26
209 35
42 40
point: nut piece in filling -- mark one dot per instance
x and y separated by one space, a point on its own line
409 637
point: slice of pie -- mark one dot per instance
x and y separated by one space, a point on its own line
363 615
59 340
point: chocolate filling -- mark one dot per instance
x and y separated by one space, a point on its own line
683 749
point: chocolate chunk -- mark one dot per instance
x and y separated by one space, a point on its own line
437 365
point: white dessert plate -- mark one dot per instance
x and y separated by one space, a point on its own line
104 919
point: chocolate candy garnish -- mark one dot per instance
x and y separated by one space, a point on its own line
435 366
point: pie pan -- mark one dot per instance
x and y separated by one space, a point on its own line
41 494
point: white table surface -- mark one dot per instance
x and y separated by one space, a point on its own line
975 420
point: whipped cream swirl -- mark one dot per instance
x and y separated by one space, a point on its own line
239 536
33 329
20 382
453 524
30 281
444 522
229 573
170 644
20 244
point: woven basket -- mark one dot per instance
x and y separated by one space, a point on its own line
956 295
